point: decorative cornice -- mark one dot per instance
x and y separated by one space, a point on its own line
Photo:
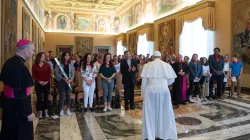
200 5
146 25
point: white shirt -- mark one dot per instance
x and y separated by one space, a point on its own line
129 62
205 69
117 67
226 67
89 73
97 65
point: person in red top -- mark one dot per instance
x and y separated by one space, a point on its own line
41 73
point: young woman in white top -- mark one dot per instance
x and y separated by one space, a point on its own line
225 72
116 63
205 79
88 72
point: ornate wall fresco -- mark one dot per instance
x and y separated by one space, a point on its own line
103 16
37 10
9 32
138 13
165 6
61 21
78 22
116 25
150 10
167 37
102 24
26 25
241 32
83 23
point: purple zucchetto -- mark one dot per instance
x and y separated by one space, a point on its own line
22 43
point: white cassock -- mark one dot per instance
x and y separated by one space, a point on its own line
158 116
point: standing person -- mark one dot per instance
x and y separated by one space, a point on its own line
195 74
97 64
216 65
48 61
77 63
17 116
51 57
173 59
128 71
116 63
41 72
95 58
119 58
167 59
88 72
62 82
225 73
180 85
205 79
107 72
186 60
158 116
236 69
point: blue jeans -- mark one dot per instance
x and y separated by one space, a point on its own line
64 90
107 90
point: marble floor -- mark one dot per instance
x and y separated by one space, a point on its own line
225 119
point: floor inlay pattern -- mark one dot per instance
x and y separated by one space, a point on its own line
48 129
225 119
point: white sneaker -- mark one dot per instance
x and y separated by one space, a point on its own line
61 113
105 109
109 108
191 100
198 99
46 114
40 114
68 112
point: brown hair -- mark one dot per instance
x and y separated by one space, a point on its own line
110 61
62 57
38 57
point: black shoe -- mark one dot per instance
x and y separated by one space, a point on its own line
132 107
176 106
85 110
91 109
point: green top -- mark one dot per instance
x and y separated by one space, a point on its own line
107 71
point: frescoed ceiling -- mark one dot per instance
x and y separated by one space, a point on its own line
101 16
91 6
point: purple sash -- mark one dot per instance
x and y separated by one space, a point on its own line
9 92
184 88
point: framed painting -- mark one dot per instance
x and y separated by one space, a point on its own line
64 48
167 37
9 29
34 35
84 45
26 25
132 43
83 23
241 32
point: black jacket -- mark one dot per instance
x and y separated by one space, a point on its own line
216 65
127 76
195 70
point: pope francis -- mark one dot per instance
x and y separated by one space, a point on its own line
158 116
